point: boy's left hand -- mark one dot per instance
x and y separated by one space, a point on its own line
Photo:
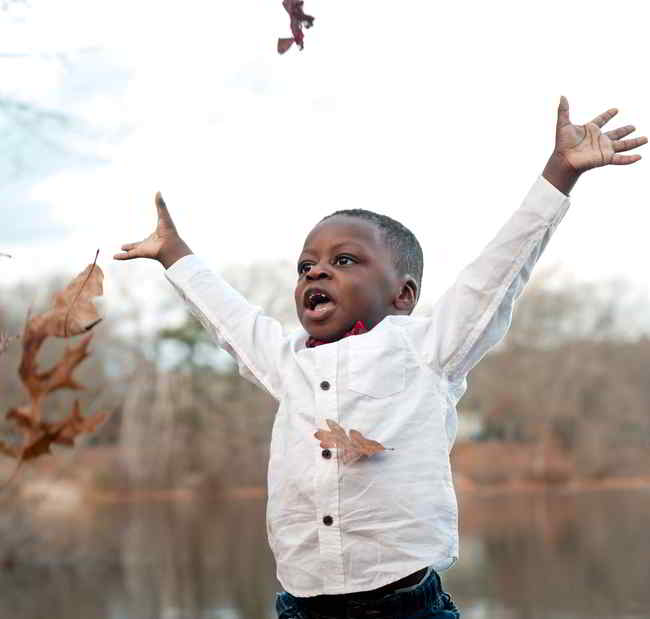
579 148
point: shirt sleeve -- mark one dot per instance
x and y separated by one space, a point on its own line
255 340
475 313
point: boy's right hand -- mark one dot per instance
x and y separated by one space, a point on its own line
163 244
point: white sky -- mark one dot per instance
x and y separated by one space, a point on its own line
439 114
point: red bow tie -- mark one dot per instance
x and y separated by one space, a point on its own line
358 329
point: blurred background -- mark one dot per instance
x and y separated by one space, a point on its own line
441 116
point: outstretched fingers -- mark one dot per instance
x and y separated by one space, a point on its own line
619 133
622 145
601 119
625 159
125 253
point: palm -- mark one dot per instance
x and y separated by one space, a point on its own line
150 247
147 248
585 146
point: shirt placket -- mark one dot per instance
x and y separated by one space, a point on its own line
327 472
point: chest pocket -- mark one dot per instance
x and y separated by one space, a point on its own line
377 371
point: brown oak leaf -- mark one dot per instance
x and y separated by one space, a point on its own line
73 313
354 446
61 433
59 376
298 20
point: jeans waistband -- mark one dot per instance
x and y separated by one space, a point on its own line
428 594
336 600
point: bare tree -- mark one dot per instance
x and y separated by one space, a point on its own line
571 373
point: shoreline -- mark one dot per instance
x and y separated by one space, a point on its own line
463 489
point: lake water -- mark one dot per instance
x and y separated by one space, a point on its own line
546 555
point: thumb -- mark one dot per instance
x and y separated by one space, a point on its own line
563 113
163 213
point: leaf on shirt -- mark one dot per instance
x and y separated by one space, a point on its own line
298 20
354 446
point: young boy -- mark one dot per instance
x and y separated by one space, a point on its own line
368 538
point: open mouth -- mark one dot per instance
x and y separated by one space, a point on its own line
318 303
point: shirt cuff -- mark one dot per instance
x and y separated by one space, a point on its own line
185 267
549 202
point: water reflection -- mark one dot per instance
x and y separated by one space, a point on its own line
558 556
568 556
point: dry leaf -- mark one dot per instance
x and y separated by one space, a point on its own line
39 384
72 314
354 447
298 21
43 434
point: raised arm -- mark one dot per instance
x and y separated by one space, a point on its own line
475 313
255 340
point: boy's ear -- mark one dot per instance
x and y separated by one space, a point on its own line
408 296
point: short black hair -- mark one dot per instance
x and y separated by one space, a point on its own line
406 249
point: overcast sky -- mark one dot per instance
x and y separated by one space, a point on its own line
438 114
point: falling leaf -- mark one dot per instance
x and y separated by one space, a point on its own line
59 376
298 20
43 434
354 447
73 313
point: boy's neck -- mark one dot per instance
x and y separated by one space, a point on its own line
357 329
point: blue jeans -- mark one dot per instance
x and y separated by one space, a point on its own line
426 600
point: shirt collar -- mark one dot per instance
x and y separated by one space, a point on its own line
358 329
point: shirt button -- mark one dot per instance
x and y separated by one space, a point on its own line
326 453
328 520
324 385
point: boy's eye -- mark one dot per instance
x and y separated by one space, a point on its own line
303 268
344 261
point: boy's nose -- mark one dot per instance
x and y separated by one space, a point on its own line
317 272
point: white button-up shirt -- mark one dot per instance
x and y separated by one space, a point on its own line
336 528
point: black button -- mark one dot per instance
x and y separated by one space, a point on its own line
326 453
328 520
324 385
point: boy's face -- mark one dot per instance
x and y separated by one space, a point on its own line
346 273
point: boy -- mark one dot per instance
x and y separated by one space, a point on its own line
368 538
